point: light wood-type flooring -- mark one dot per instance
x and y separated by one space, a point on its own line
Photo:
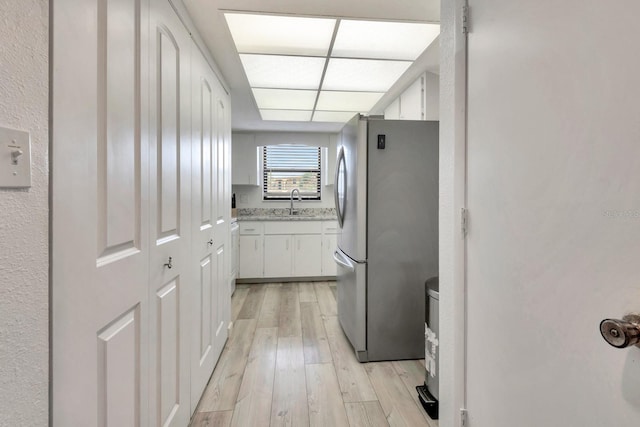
288 363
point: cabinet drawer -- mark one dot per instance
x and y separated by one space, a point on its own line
251 228
293 227
330 227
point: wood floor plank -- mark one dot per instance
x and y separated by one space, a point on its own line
270 311
212 419
253 302
354 381
253 407
289 324
307 292
397 404
326 300
365 414
238 300
325 405
316 344
289 406
222 391
412 372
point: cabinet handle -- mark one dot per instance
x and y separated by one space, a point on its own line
298 244
287 245
256 244
249 229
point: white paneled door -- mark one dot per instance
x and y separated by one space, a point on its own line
210 227
100 211
134 287
170 280
554 212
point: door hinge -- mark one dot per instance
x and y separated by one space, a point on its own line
465 18
463 418
464 221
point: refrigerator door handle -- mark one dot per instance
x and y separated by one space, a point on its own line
339 162
340 260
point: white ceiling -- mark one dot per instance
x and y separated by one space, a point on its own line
208 18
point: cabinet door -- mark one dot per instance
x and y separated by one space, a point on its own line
329 245
307 257
251 253
244 160
234 252
277 256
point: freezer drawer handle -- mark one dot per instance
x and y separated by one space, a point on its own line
340 260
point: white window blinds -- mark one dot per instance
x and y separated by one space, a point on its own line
286 167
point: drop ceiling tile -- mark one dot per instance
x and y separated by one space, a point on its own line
363 74
286 115
384 40
284 72
284 99
347 101
287 35
333 116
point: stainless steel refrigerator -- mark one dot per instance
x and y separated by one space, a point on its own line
386 192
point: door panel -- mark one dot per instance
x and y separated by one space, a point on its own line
167 305
210 225
100 250
553 196
119 371
118 115
168 104
170 187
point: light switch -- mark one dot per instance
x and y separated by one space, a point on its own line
15 158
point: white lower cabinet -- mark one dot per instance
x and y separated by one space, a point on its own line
277 255
307 255
284 249
329 246
251 250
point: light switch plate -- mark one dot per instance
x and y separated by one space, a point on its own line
15 158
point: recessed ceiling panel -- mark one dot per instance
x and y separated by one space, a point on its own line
286 115
347 101
363 74
285 72
285 99
285 35
333 116
384 40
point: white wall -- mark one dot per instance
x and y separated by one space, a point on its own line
251 196
24 263
431 96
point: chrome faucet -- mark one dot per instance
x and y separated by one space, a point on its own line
291 210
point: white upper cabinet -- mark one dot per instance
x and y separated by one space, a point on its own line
244 160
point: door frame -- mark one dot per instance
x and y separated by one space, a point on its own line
453 190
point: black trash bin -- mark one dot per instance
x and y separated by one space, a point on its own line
428 393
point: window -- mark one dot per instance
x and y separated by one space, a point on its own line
286 167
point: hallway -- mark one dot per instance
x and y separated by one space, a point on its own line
287 362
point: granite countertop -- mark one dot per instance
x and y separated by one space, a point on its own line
282 214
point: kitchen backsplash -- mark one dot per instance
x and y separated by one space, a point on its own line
321 212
